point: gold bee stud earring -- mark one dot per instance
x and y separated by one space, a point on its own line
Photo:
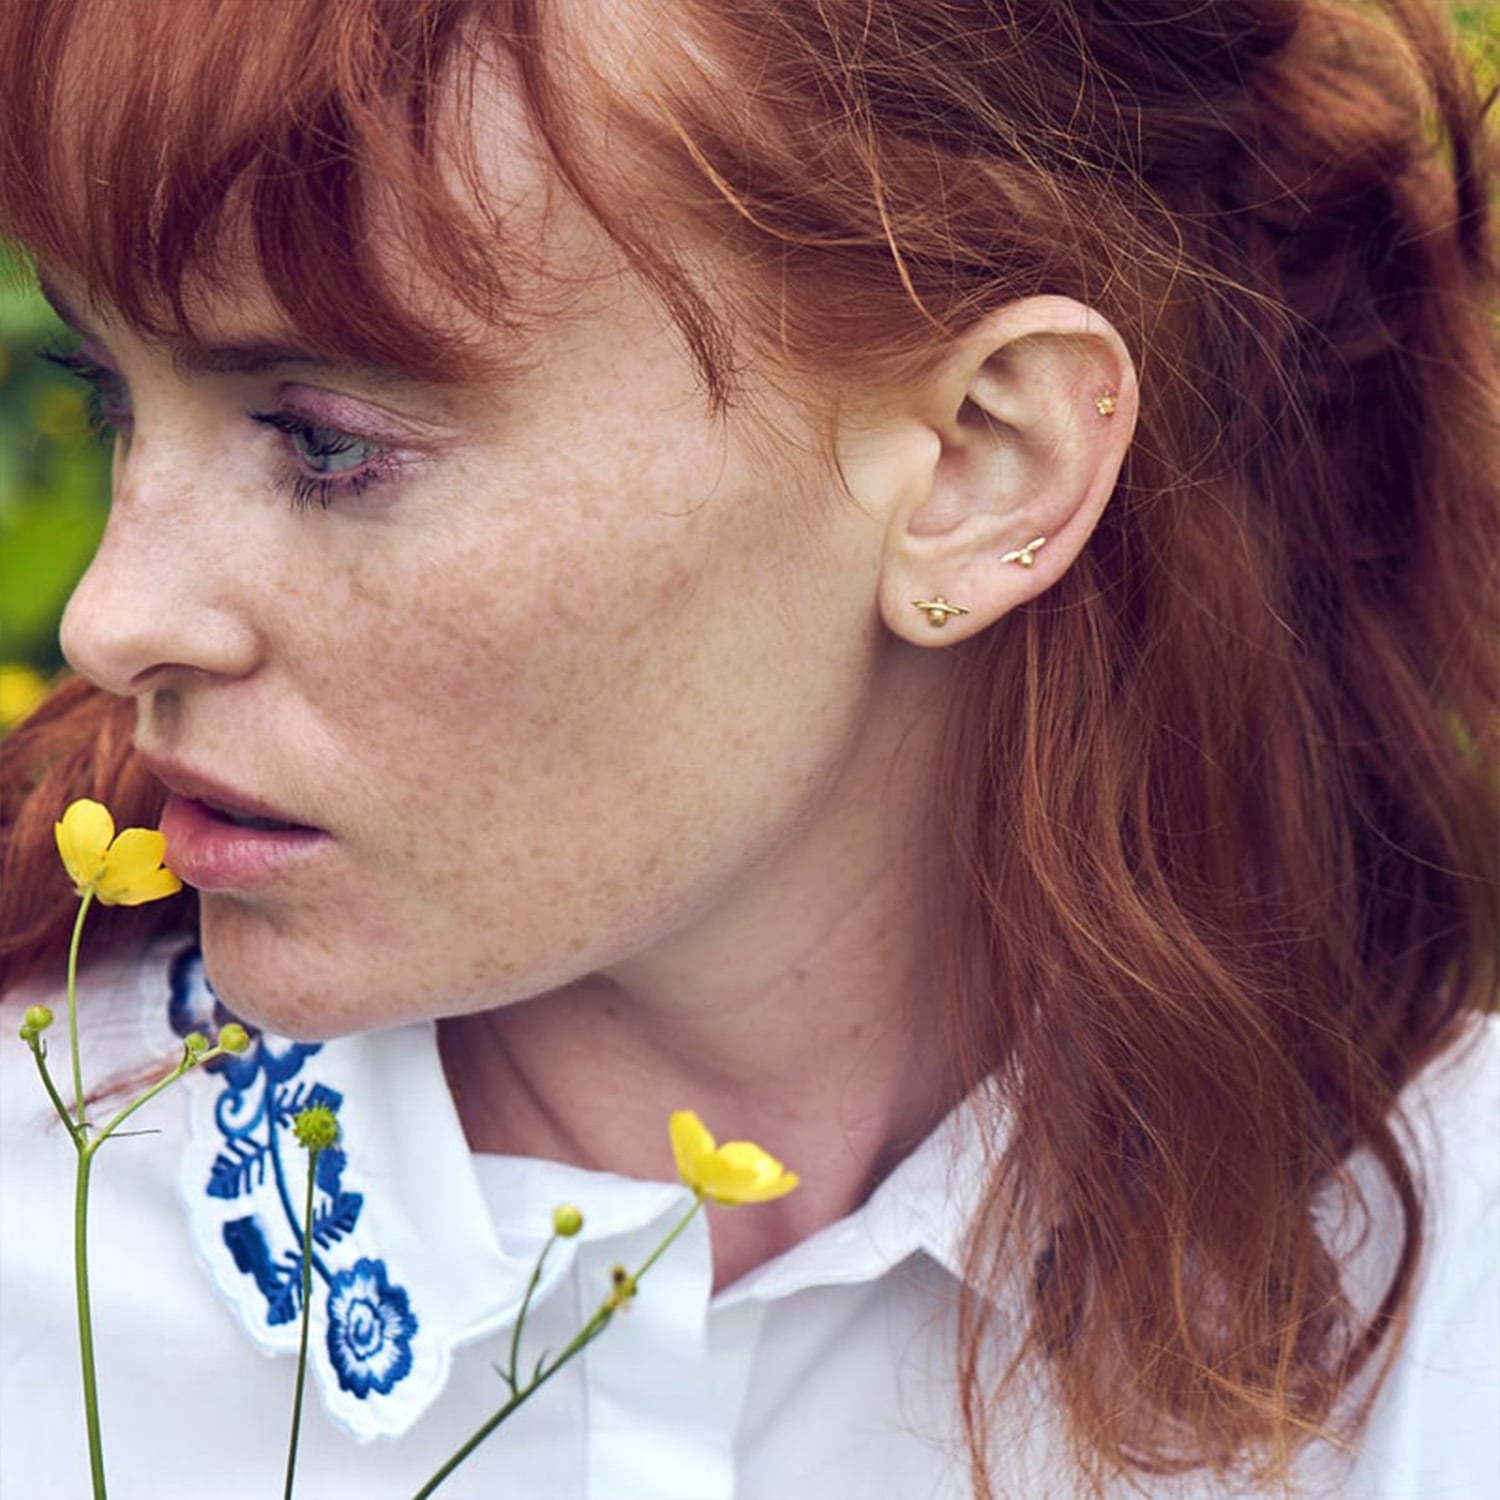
1026 555
938 610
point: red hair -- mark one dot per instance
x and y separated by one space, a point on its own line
1224 842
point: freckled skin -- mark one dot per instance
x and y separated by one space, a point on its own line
561 691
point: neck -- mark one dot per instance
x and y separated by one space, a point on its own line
793 1018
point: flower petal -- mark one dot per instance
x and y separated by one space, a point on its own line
749 1174
152 887
766 1191
751 1158
692 1146
723 1184
136 851
83 837
133 873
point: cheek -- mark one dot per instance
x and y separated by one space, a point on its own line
556 736
509 698
513 785
502 640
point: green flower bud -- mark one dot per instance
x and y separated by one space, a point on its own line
35 1020
234 1037
195 1042
316 1127
567 1220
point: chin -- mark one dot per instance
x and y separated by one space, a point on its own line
295 988
315 982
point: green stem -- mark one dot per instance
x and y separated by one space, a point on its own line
666 1244
77 1129
83 911
591 1330
39 1052
584 1337
151 1093
86 1150
291 1452
515 1334
86 1321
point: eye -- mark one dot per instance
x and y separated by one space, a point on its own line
330 463
108 397
324 451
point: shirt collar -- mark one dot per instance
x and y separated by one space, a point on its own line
922 1207
420 1247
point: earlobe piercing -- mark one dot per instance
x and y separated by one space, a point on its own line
937 610
1026 555
1104 403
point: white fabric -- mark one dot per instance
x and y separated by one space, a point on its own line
825 1373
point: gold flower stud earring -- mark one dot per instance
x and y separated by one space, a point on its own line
938 610
1104 403
1026 555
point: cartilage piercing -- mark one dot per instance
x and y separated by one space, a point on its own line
1026 555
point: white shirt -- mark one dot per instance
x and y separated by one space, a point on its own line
828 1372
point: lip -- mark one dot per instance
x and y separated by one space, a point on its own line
208 851
188 783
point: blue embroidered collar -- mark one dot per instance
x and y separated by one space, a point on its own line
389 1208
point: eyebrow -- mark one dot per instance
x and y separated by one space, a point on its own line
229 357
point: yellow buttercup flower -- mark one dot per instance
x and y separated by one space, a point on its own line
120 871
736 1172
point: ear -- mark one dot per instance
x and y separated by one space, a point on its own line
1016 443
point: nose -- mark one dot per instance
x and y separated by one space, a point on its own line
154 605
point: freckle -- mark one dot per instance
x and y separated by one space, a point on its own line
799 974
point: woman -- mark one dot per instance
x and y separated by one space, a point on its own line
909 577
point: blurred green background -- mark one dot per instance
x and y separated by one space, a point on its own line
54 489
54 474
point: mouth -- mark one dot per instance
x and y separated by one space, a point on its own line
224 813
222 839
221 802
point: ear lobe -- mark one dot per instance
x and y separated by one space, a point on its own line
1033 412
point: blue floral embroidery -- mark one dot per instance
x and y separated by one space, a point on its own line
370 1328
370 1321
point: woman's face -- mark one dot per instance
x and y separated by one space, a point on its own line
561 666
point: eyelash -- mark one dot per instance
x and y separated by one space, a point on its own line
108 411
100 383
305 490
